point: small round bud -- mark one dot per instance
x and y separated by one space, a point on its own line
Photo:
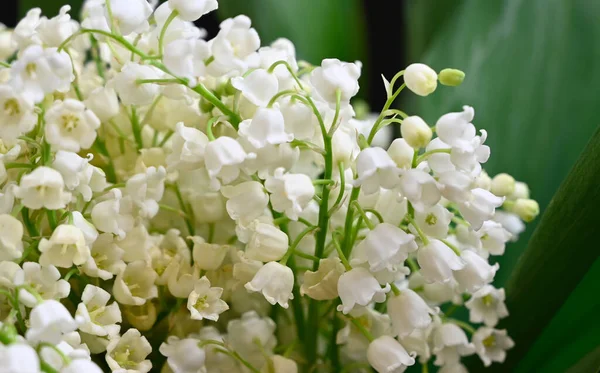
451 77
521 191
503 185
527 209
401 153
416 132
420 78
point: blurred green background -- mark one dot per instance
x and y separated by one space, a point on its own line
532 79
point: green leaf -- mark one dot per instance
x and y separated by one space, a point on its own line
319 29
531 80
565 342
560 253
528 76
589 364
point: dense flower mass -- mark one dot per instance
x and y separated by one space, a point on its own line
183 205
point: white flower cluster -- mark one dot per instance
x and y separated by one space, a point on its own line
219 203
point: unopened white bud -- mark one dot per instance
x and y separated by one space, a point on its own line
503 185
521 191
527 209
416 132
401 153
420 78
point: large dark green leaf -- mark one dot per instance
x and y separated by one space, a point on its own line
566 339
589 364
532 81
561 251
319 29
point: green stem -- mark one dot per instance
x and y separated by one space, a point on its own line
295 244
426 155
33 232
362 329
454 248
11 165
52 219
163 31
362 212
136 128
340 252
188 222
347 243
340 196
387 105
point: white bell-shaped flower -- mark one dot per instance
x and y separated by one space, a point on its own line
48 322
19 357
358 287
434 221
18 116
420 78
129 90
183 355
70 126
280 364
437 261
131 15
267 242
103 101
408 311
456 129
334 75
375 170
208 256
299 118
187 148
11 235
106 258
385 354
39 71
511 222
322 284
65 248
57 29
491 345
205 301
476 273
99 318
401 153
487 306
8 270
384 247
416 132
234 43
223 158
271 157
185 57
439 162
81 365
147 189
135 284
419 188
79 176
191 10
128 352
25 32
113 215
246 201
275 281
259 87
290 193
251 334
266 127
449 344
479 207
45 279
455 185
493 238
43 188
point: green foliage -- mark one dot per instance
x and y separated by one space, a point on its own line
531 80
